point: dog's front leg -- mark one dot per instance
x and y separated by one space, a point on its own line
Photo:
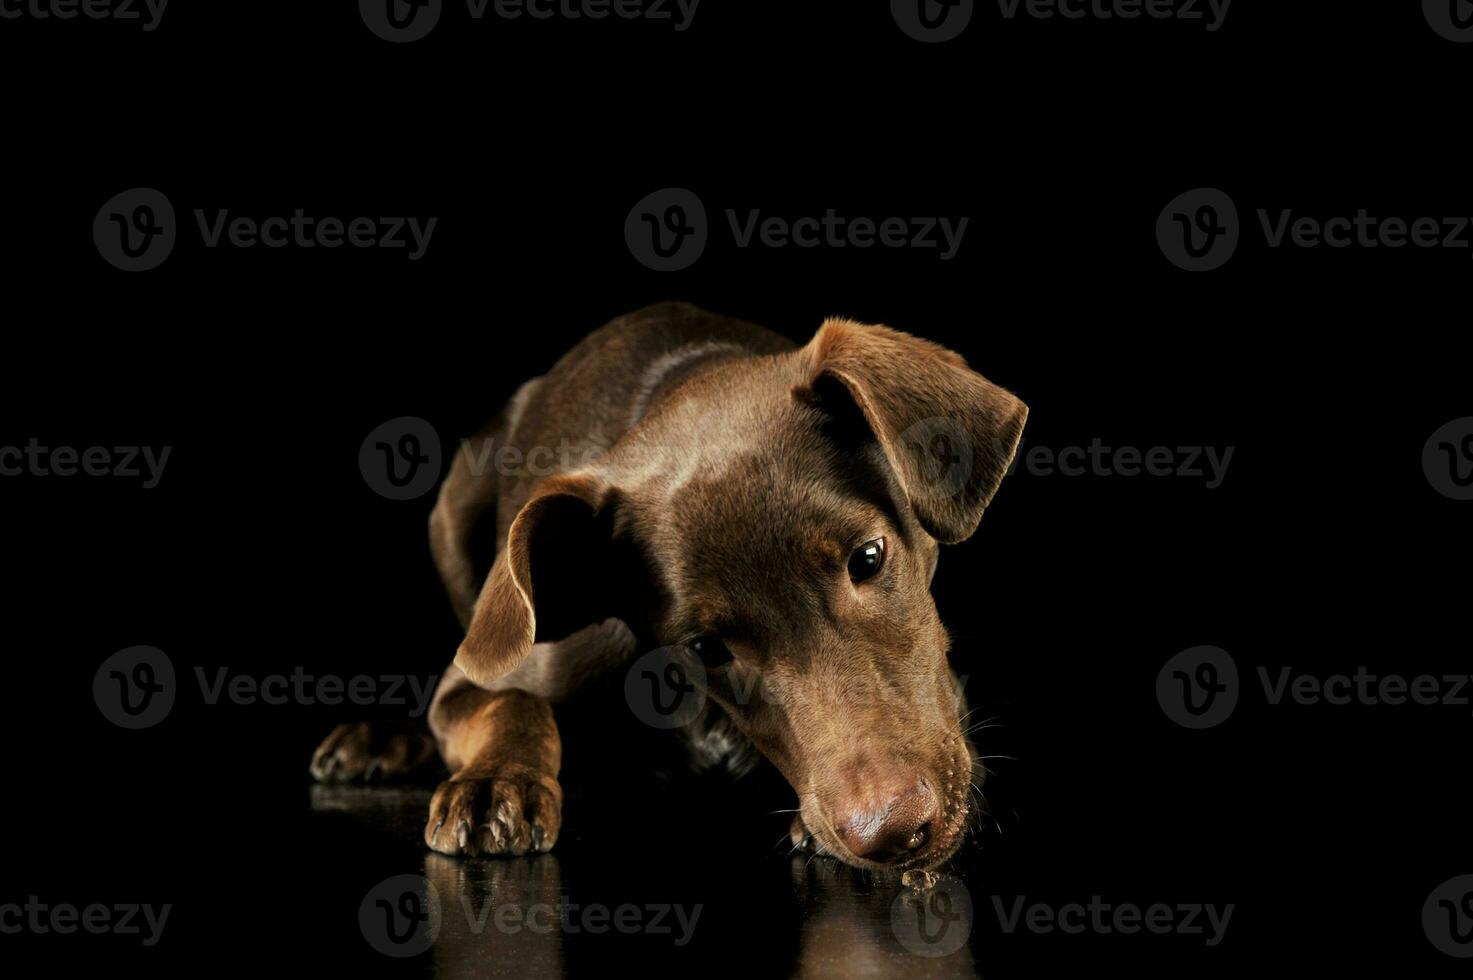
504 752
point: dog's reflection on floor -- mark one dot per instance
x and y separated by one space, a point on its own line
500 916
507 916
852 928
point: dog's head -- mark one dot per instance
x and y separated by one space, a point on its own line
777 520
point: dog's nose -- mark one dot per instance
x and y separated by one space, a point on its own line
889 824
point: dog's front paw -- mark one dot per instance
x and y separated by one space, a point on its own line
372 752
513 810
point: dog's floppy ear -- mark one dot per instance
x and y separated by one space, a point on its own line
949 433
542 585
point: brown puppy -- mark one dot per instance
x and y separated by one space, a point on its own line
772 514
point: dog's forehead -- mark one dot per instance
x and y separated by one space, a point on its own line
746 505
719 425
754 520
756 538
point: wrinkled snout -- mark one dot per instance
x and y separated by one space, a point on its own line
887 820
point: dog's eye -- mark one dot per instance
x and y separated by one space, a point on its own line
866 560
710 651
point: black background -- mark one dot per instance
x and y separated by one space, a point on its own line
263 549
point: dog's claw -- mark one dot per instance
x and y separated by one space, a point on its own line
508 812
370 752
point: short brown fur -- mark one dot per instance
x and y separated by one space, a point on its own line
715 480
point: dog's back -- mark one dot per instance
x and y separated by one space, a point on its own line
568 417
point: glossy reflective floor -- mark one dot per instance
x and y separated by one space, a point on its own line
655 905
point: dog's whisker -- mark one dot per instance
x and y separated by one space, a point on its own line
969 714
